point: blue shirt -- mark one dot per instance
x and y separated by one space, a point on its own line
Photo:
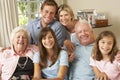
80 68
35 26
51 72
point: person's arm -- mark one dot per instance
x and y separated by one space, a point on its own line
61 74
118 56
60 32
4 48
63 36
117 60
1 49
100 75
69 45
37 72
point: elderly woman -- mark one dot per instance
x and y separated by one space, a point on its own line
16 63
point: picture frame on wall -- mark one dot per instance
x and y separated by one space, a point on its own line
87 14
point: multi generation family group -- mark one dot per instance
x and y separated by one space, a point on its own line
58 47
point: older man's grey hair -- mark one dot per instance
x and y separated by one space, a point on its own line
84 21
17 29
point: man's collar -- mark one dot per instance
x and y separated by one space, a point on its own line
40 23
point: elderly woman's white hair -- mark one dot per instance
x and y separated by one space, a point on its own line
17 29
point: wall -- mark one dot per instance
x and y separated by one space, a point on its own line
59 2
109 7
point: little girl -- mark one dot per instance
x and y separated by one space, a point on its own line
103 60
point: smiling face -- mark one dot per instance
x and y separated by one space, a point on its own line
105 45
48 14
48 41
84 33
20 41
65 18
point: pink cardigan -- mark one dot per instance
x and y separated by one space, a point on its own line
9 60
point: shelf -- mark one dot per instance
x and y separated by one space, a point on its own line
93 25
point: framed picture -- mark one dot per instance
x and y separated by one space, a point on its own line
81 15
87 14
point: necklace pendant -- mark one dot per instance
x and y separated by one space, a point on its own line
22 66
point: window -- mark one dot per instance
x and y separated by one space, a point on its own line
27 10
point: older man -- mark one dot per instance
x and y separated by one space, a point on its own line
83 39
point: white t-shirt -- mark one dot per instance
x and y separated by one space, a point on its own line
51 72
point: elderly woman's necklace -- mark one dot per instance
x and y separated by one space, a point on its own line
22 66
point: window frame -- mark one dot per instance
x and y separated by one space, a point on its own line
29 13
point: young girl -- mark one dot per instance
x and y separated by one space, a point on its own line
104 57
51 62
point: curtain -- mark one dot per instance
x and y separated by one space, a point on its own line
8 20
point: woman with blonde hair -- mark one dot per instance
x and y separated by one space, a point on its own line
66 17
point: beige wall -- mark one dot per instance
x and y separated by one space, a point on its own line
59 2
109 7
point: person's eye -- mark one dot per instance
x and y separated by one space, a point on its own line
51 37
60 15
24 37
18 36
46 11
66 14
44 38
86 30
52 13
103 42
110 43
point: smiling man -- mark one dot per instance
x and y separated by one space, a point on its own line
48 12
83 39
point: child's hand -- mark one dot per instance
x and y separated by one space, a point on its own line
118 56
102 76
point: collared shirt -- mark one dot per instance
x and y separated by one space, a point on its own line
52 71
80 68
111 69
9 60
35 26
